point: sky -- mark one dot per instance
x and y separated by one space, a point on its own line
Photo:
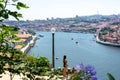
42 9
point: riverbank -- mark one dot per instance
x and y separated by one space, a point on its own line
29 45
106 43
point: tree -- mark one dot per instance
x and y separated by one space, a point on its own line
10 58
8 55
5 13
7 37
13 60
31 31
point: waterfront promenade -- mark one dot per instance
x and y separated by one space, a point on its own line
29 45
106 43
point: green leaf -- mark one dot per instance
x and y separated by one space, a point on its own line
17 18
19 15
30 76
18 7
5 14
1 0
20 4
1 6
14 14
110 76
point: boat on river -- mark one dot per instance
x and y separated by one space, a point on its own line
40 35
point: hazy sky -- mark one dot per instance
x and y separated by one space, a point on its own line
42 9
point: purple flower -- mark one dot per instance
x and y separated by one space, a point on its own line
94 78
86 72
93 72
89 68
82 77
79 67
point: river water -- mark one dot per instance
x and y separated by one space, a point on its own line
104 58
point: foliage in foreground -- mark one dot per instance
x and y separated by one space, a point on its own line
5 12
7 37
20 63
16 62
110 76
35 66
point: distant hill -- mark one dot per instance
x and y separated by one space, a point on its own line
78 23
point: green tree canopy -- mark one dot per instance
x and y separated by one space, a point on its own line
5 12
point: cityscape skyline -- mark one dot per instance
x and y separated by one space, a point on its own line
67 8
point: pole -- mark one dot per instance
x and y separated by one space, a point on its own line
53 64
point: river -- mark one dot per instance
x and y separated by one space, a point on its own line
104 58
